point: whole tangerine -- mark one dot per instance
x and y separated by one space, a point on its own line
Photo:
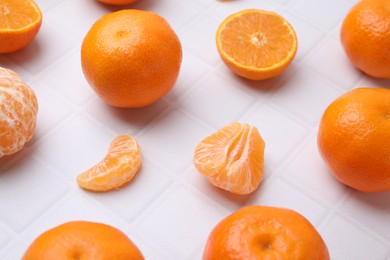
131 58
263 232
354 139
365 36
82 240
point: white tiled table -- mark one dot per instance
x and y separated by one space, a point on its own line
169 209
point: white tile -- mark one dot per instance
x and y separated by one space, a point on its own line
67 79
150 181
308 35
325 13
280 193
178 225
171 140
371 210
76 207
305 95
368 81
191 71
228 200
331 61
76 147
218 96
24 187
76 16
204 48
309 170
45 5
121 120
14 252
223 9
8 64
346 241
272 125
4 237
48 46
47 117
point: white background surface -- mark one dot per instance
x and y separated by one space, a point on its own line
169 209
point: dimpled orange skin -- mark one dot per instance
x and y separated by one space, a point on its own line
354 139
131 58
117 2
82 240
262 232
365 36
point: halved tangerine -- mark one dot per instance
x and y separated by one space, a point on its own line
118 167
232 158
256 44
20 22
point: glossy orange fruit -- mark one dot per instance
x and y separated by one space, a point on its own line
18 112
131 58
256 44
261 232
118 167
82 240
117 2
20 22
354 139
232 158
365 36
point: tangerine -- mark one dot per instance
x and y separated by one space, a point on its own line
232 158
354 139
365 36
18 112
131 58
20 22
256 44
262 232
82 240
118 167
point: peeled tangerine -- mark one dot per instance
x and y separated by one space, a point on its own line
232 158
18 112
118 167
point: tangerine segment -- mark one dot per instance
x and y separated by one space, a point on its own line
20 21
118 167
232 158
18 112
82 240
256 44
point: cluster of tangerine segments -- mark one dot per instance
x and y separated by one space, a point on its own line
232 158
256 44
118 167
18 112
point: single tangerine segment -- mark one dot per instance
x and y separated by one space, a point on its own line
18 112
256 44
82 240
20 22
118 167
232 158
